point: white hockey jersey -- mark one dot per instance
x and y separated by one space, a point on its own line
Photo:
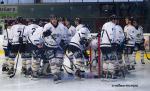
72 31
119 34
7 37
36 37
81 33
79 27
18 31
65 34
56 36
94 43
139 34
29 30
107 34
130 34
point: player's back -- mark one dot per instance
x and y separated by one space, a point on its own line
107 34
119 34
36 37
30 29
130 33
17 31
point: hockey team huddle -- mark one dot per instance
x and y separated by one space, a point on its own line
43 46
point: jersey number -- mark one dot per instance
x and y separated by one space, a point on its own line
33 30
19 32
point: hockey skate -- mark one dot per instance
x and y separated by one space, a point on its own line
104 74
11 71
34 75
28 72
111 75
134 62
44 72
57 78
78 75
5 68
23 70
129 67
132 67
142 61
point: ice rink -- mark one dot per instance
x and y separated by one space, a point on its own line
140 78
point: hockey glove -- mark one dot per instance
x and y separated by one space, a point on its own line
47 33
63 44
143 40
83 41
9 46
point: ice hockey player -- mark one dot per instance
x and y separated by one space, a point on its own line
130 39
71 28
119 47
77 45
38 51
53 36
6 44
94 54
65 38
139 44
18 43
78 24
28 32
107 47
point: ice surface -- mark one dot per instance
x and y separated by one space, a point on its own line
139 77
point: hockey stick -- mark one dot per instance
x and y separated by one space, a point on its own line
67 70
68 67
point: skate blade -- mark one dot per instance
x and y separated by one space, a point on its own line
78 79
58 82
34 79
